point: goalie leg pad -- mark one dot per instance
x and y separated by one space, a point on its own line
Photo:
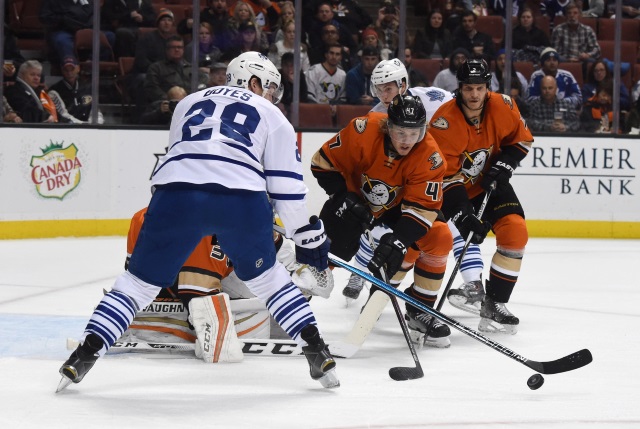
213 322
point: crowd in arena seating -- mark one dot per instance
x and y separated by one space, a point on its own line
562 54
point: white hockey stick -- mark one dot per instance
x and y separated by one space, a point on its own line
251 347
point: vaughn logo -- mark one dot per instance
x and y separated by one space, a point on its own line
57 171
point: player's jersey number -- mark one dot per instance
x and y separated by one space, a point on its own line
238 121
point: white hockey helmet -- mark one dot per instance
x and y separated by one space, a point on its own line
242 68
389 71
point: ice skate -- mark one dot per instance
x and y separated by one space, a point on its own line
321 363
418 321
80 362
495 317
352 290
468 297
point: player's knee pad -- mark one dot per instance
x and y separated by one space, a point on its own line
213 322
511 232
269 282
141 292
438 241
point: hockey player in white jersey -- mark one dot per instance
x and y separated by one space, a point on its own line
388 79
231 152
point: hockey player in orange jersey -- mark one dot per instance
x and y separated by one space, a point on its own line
483 138
386 168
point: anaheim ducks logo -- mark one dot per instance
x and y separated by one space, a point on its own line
86 100
379 195
441 123
507 100
360 124
436 160
473 163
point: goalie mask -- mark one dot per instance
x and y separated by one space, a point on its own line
389 71
245 66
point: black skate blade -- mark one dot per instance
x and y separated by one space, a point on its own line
568 363
402 373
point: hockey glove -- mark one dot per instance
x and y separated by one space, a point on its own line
388 256
350 208
312 245
500 172
466 221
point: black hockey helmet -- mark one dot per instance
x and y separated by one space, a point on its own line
407 111
474 72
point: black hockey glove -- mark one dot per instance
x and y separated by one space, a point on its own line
500 172
312 244
349 206
466 222
388 256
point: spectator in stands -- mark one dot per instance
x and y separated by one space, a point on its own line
528 39
152 46
217 74
574 41
287 45
27 96
597 74
322 17
592 8
325 80
497 78
499 7
160 111
567 85
216 14
208 52
415 77
446 79
172 71
358 81
330 36
12 56
635 92
632 121
8 114
597 114
631 9
62 18
350 14
550 113
246 23
436 41
126 17
71 98
479 45
369 38
387 25
288 79
551 8
266 14
287 13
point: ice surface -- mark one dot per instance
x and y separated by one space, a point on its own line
573 294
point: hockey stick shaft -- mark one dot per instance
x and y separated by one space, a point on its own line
567 363
400 373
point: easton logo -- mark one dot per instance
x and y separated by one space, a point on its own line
57 171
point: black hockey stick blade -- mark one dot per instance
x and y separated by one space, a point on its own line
402 373
568 363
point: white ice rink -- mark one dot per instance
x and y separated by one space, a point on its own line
573 294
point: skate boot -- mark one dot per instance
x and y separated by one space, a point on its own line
80 361
418 322
468 297
352 290
495 317
321 363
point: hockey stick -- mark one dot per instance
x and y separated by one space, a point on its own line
400 373
443 297
252 347
568 363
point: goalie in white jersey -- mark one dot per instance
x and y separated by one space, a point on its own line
388 79
230 151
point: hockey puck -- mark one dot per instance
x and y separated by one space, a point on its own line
535 381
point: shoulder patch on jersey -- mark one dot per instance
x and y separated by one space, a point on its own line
436 160
507 100
441 123
360 124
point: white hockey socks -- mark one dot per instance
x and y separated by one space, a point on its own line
213 322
